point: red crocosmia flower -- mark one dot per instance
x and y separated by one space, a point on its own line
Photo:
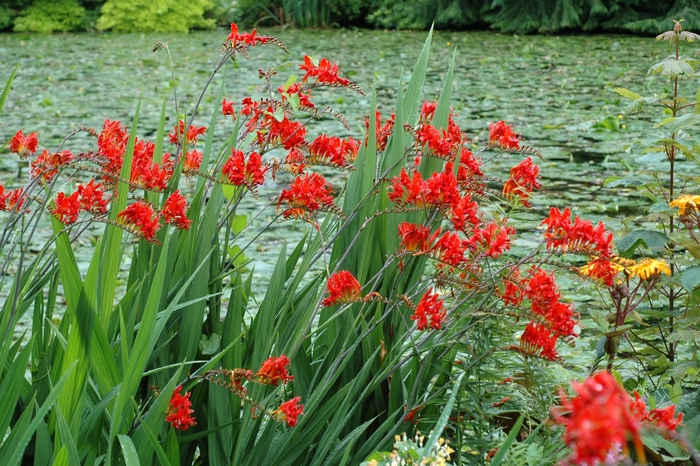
450 249
416 238
67 208
274 370
523 180
193 161
408 190
543 291
665 418
442 189
430 311
47 164
306 195
111 144
597 419
289 411
296 161
239 172
427 112
383 132
24 146
92 197
325 72
343 288
577 237
298 90
286 132
469 166
249 39
12 199
140 218
174 211
503 135
513 293
334 151
538 340
438 141
227 108
180 410
193 132
463 213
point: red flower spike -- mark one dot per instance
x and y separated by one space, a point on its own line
577 237
523 180
111 144
333 151
306 195
92 197
343 288
450 249
513 293
296 161
193 132
430 311
67 208
249 39
47 164
325 72
469 166
227 108
174 211
537 340
416 238
597 419
427 112
12 199
503 135
141 217
180 410
298 90
408 190
239 172
24 146
665 418
193 161
289 411
442 189
274 370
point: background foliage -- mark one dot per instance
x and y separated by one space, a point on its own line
508 16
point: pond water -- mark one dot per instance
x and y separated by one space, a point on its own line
553 89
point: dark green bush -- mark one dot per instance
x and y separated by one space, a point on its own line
51 16
155 16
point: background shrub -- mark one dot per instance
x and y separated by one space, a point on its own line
50 16
154 15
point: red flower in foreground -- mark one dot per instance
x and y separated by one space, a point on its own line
239 172
416 238
179 410
227 108
523 180
343 288
325 72
430 311
11 200
577 237
250 39
193 133
92 197
289 411
538 340
306 195
666 418
140 218
503 135
174 211
274 370
22 145
47 164
597 419
67 208
333 150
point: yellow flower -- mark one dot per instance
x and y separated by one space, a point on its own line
686 203
647 269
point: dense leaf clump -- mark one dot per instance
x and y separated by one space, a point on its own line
161 16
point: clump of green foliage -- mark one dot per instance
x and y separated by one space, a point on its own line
162 16
48 16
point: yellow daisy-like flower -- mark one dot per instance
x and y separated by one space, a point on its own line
646 269
686 203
